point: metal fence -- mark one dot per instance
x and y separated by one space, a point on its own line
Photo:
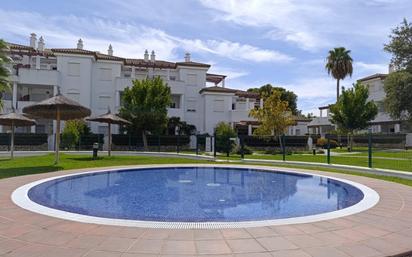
392 151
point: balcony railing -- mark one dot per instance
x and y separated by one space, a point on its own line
40 77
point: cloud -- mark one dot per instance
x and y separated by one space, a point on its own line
128 39
237 51
229 72
285 20
369 68
314 24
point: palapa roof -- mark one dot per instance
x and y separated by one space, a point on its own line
109 118
16 119
47 109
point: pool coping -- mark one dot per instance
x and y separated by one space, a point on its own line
20 198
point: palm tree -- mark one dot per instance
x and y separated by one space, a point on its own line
4 71
339 64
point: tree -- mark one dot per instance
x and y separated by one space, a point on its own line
398 90
4 71
400 46
286 95
224 132
145 106
73 130
339 65
182 127
275 116
353 111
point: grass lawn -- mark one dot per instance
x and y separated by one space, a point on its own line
403 163
40 164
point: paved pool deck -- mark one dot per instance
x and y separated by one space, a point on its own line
383 230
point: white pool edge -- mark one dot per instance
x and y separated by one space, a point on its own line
21 199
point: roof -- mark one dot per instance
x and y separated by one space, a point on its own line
301 118
214 78
324 107
320 121
374 76
216 89
19 47
237 92
247 94
155 64
193 64
100 56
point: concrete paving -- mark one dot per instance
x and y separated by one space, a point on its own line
384 230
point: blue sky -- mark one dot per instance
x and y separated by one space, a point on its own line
282 42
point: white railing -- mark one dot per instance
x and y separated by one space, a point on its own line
40 77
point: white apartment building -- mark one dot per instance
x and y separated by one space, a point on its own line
97 80
382 123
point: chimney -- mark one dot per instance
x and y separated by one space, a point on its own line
110 50
146 55
80 44
391 68
33 39
153 56
40 45
187 57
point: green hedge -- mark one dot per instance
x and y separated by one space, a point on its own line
24 139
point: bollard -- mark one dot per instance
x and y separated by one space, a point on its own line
214 145
95 150
370 149
242 148
197 144
328 151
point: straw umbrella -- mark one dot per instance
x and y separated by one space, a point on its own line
110 119
57 108
15 119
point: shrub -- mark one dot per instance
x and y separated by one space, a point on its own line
72 131
238 150
323 142
223 134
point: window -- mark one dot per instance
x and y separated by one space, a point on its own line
191 79
104 101
173 78
191 104
175 102
105 74
297 133
219 105
74 69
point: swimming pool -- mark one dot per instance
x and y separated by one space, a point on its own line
194 195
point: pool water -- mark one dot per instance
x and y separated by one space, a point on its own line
195 194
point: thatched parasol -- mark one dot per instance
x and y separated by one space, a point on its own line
57 108
15 119
110 119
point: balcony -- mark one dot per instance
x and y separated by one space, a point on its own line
38 77
20 105
175 112
240 115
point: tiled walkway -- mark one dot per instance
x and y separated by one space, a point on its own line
383 230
